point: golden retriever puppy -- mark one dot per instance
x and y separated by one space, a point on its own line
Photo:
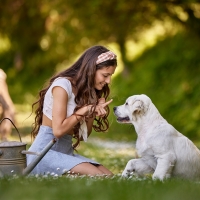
162 150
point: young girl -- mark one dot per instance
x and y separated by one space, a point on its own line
68 107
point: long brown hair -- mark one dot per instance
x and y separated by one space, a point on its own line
82 72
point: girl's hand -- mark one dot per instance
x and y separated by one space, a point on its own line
100 108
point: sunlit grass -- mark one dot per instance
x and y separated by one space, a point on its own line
100 188
113 156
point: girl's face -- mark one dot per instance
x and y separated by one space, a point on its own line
103 76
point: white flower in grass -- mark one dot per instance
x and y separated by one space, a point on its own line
64 171
52 174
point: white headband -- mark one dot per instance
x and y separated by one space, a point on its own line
109 55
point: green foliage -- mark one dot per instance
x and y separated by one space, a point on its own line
169 74
44 35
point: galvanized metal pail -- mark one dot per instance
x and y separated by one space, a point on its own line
13 156
12 160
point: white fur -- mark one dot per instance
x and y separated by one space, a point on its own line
83 131
162 150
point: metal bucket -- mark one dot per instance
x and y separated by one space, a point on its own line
12 160
13 156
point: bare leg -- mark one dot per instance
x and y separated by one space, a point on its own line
89 169
104 170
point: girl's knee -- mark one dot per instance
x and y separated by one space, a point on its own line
87 169
104 170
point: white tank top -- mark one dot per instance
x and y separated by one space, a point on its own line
48 103
48 99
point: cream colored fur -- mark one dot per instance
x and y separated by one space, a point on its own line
162 150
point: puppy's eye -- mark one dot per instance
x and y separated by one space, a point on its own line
126 104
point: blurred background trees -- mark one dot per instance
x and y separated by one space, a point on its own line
157 43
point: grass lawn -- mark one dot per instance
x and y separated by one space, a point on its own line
98 188
112 154
84 188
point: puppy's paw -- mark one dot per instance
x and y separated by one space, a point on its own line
156 177
161 177
129 169
125 174
128 173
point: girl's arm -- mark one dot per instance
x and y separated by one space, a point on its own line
60 124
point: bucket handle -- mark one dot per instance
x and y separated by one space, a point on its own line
14 126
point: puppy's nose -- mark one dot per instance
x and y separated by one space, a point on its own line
114 108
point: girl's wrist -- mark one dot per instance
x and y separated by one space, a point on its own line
79 117
89 109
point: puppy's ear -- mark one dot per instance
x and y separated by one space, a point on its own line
137 107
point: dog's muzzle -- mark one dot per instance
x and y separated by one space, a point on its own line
120 119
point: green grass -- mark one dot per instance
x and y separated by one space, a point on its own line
114 158
85 188
98 188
